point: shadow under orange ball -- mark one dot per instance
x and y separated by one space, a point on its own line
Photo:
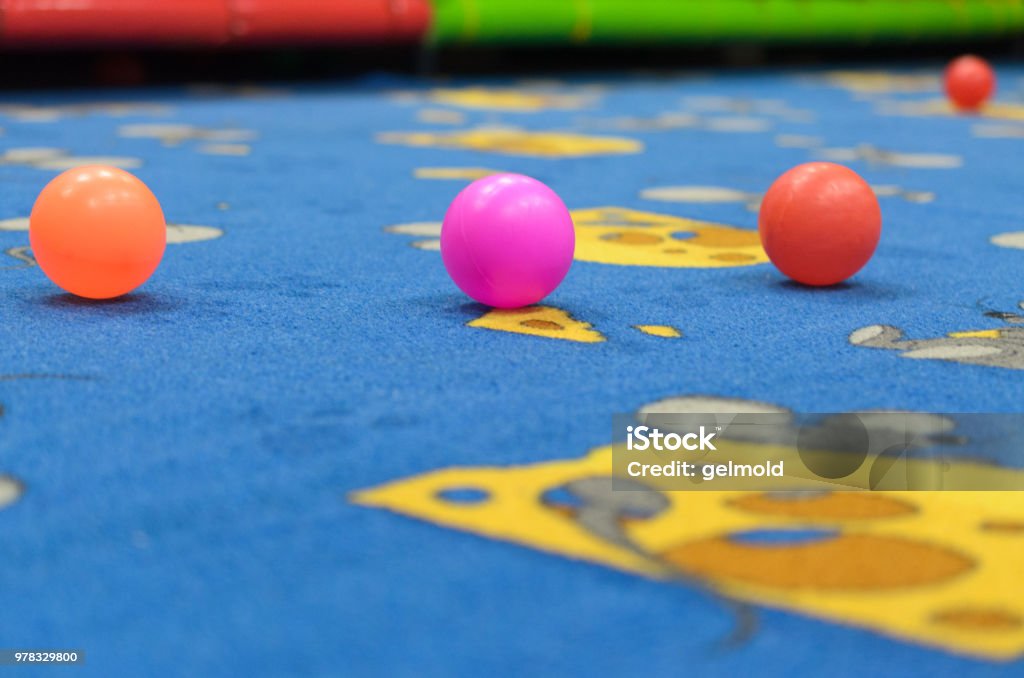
97 232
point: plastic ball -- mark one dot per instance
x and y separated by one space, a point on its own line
97 232
820 223
970 82
507 240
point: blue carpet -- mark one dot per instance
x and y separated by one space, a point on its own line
187 452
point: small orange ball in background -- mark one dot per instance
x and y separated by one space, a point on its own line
97 232
970 82
820 223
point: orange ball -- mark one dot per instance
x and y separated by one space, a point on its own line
97 232
820 223
970 82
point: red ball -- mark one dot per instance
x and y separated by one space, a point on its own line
820 223
970 81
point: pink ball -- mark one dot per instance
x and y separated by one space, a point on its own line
507 240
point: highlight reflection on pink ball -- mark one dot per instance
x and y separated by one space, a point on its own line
507 240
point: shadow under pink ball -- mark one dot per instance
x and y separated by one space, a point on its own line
507 240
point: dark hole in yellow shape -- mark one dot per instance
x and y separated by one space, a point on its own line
538 324
732 256
853 562
628 238
824 507
979 619
1003 526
